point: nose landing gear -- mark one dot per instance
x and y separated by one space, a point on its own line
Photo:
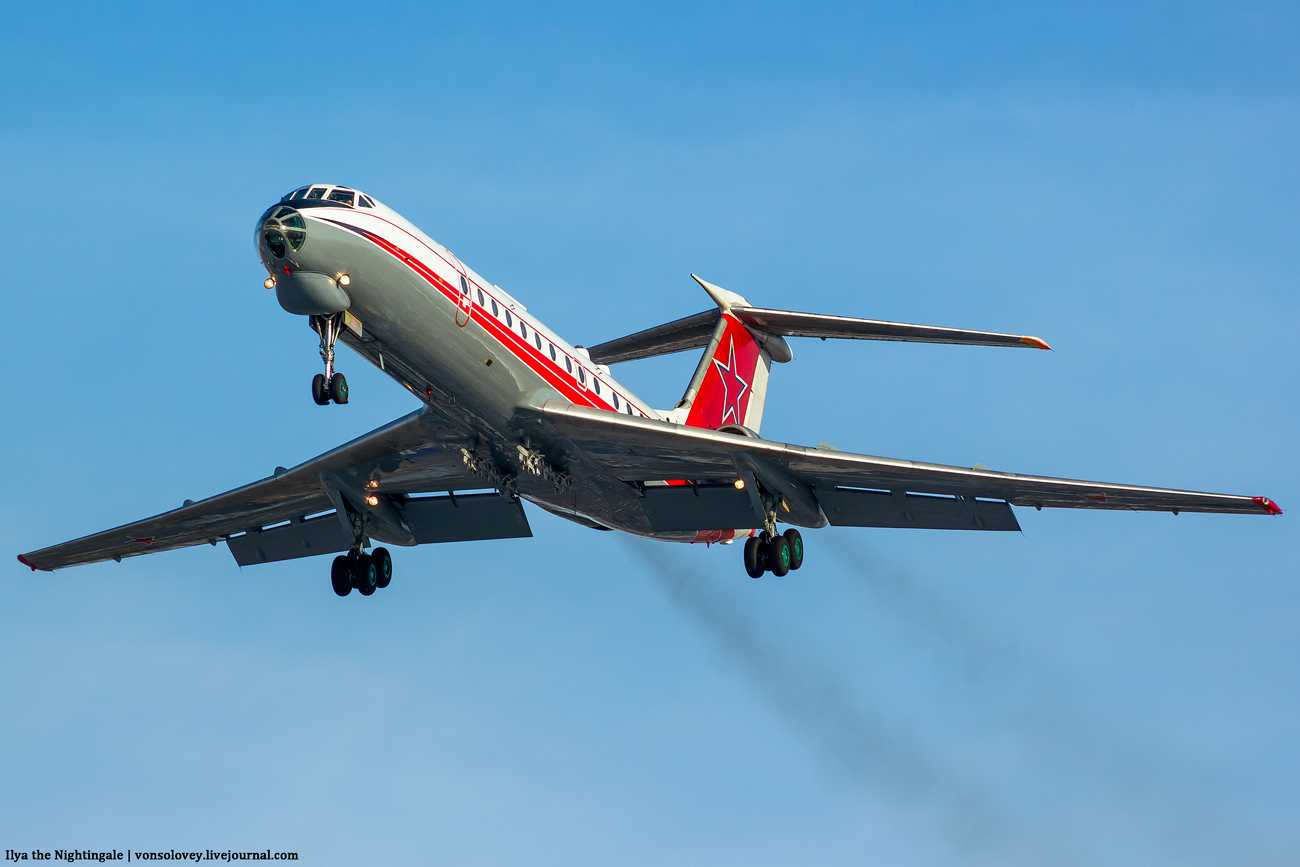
779 554
329 385
364 572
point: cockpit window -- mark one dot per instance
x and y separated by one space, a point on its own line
298 194
344 196
365 202
283 228
294 229
274 242
316 193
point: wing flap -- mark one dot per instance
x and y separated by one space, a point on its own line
299 538
699 507
465 518
857 508
636 449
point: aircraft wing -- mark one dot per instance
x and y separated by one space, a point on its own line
638 450
411 452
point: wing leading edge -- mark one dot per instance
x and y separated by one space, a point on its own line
406 450
635 449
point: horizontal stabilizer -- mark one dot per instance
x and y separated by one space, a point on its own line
788 323
690 332
693 332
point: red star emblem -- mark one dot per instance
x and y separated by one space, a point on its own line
733 387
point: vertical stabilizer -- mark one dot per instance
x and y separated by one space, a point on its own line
730 383
732 379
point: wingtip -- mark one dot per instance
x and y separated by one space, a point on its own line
1267 505
1036 343
30 565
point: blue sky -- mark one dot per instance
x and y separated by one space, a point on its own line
1103 689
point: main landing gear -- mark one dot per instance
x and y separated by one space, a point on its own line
329 385
366 572
778 554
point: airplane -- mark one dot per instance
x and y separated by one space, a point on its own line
513 412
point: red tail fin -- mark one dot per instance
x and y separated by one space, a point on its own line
735 384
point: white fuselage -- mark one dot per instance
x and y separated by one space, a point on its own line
464 346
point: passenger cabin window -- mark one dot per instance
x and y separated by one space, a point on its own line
614 394
537 337
510 323
568 364
316 193
582 374
481 302
552 345
595 384
464 287
523 329
494 306
365 202
345 197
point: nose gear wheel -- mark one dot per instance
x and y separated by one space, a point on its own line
330 385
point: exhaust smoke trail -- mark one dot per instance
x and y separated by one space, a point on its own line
855 740
1157 797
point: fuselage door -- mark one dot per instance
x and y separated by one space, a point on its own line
464 303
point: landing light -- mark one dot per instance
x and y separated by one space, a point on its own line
372 500
344 280
740 484
373 483
269 282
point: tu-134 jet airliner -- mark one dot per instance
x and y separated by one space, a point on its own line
512 412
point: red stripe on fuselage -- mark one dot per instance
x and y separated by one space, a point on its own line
508 337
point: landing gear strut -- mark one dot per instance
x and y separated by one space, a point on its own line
364 572
329 385
777 553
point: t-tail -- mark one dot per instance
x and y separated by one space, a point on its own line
741 341
730 384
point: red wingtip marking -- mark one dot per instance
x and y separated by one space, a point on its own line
1036 342
1267 505
29 564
